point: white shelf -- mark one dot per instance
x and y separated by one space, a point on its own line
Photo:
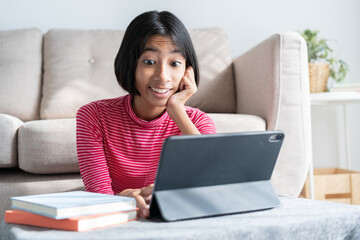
332 98
327 98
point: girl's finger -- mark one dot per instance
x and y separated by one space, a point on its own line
182 83
146 191
190 73
148 199
189 83
143 211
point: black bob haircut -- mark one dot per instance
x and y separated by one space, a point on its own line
132 46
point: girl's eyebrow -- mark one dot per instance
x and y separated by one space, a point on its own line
152 49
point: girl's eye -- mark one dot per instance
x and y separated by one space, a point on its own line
175 64
149 62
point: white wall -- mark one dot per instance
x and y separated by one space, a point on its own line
246 22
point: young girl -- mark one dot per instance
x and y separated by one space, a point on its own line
119 140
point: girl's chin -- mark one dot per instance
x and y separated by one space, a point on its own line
157 102
160 103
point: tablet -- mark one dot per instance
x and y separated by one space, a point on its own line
216 174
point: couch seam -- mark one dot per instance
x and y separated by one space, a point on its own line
280 83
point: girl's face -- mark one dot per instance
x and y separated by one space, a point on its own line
159 71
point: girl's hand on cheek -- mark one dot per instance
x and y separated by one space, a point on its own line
175 105
187 88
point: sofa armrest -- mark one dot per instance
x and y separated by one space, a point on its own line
272 82
9 126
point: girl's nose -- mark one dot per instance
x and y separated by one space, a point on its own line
162 73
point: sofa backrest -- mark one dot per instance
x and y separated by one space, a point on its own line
79 68
20 73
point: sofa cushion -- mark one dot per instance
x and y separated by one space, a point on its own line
227 123
48 146
20 73
9 126
79 68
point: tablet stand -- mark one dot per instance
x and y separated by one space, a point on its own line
197 202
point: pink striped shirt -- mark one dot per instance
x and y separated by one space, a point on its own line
117 150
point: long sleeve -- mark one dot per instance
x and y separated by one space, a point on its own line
90 149
203 122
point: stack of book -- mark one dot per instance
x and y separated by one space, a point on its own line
74 211
348 86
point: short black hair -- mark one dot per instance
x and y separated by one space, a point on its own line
132 46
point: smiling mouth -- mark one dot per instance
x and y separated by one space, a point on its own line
160 90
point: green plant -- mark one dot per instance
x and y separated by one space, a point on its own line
318 50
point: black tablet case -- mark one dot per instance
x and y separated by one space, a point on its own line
208 175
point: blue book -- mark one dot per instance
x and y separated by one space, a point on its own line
72 204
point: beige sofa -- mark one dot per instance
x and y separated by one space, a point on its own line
45 78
